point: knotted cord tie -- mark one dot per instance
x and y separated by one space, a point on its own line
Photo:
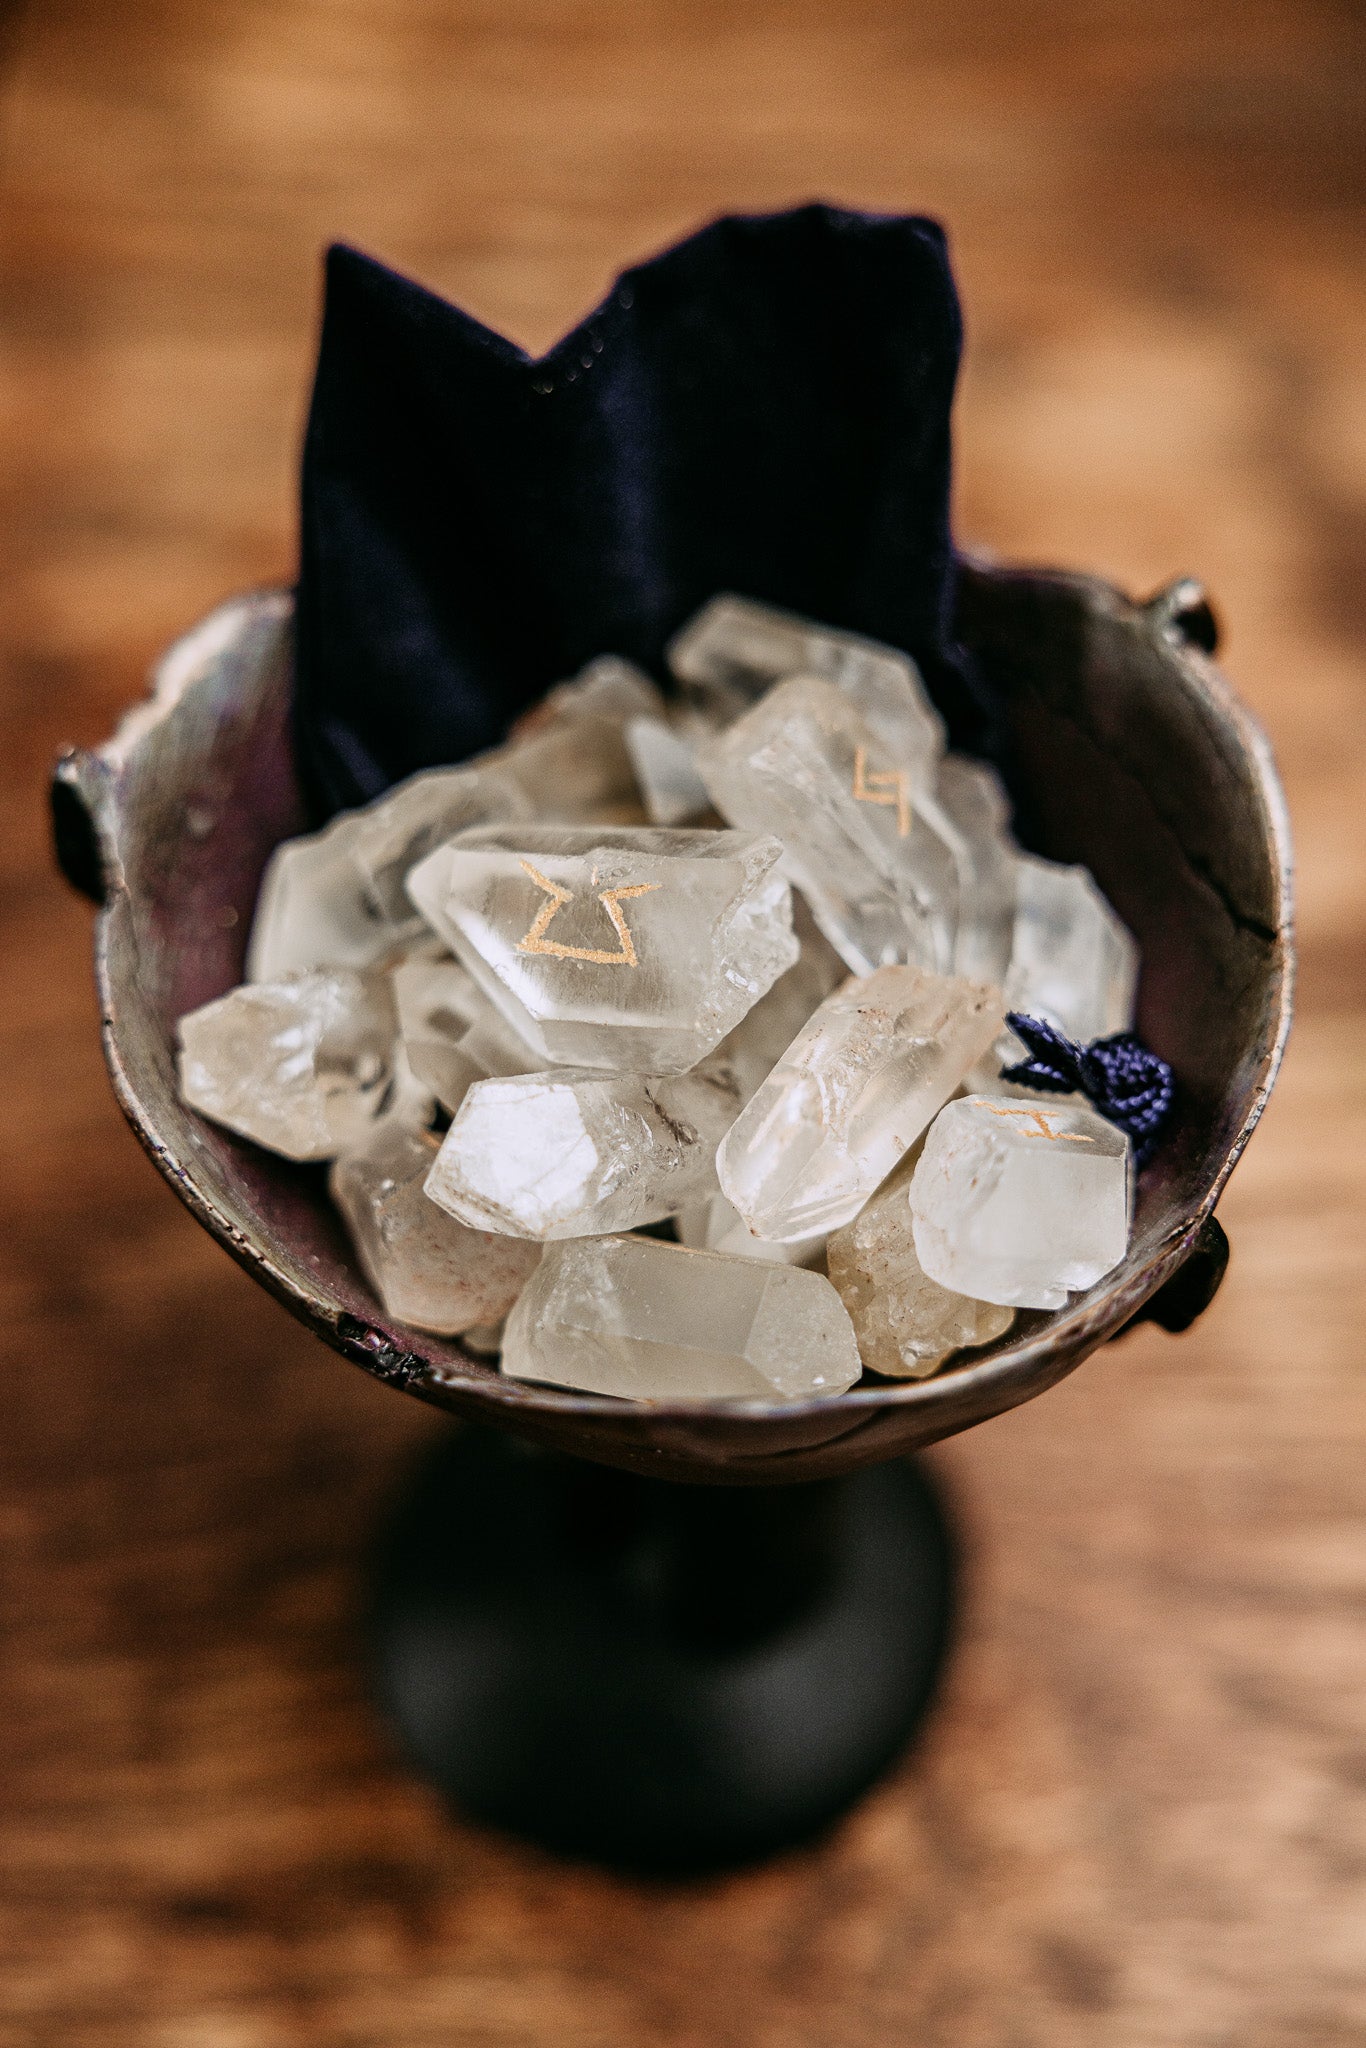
1125 1082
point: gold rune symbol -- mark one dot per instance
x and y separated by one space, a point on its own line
1042 1127
610 899
883 786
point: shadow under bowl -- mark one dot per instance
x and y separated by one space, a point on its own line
1129 752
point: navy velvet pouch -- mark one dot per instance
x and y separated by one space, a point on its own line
763 408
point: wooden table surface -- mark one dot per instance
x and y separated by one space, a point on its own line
1138 1817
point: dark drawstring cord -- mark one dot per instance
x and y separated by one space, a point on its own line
1125 1082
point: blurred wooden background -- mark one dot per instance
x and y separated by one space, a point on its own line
1138 1818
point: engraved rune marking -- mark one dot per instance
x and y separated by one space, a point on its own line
883 786
1042 1127
611 901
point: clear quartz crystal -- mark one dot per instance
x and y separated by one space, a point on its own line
858 841
644 1320
451 1033
335 898
714 1226
906 1323
426 1268
313 909
762 1036
302 1066
731 651
607 687
972 798
569 1154
568 755
1021 1203
426 890
575 770
434 1001
1072 962
402 828
666 770
890 698
850 1096
493 1043
630 949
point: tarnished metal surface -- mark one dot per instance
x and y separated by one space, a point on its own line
1131 753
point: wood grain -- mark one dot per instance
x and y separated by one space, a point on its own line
1139 1815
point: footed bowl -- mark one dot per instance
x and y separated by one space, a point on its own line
1129 752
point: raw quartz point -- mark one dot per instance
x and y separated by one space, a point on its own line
972 799
335 898
1021 1203
427 1269
568 1154
666 770
607 687
714 1226
644 1320
568 755
451 1033
731 651
858 840
754 1047
634 950
850 1096
1072 962
393 835
302 1066
435 1002
906 1323
890 698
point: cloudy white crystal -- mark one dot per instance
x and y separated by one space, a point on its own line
427 1269
634 950
866 853
905 1322
567 1154
850 1096
303 1066
1021 1203
644 1320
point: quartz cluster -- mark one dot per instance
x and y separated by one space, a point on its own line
652 1032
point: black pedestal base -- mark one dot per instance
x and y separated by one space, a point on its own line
660 1678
